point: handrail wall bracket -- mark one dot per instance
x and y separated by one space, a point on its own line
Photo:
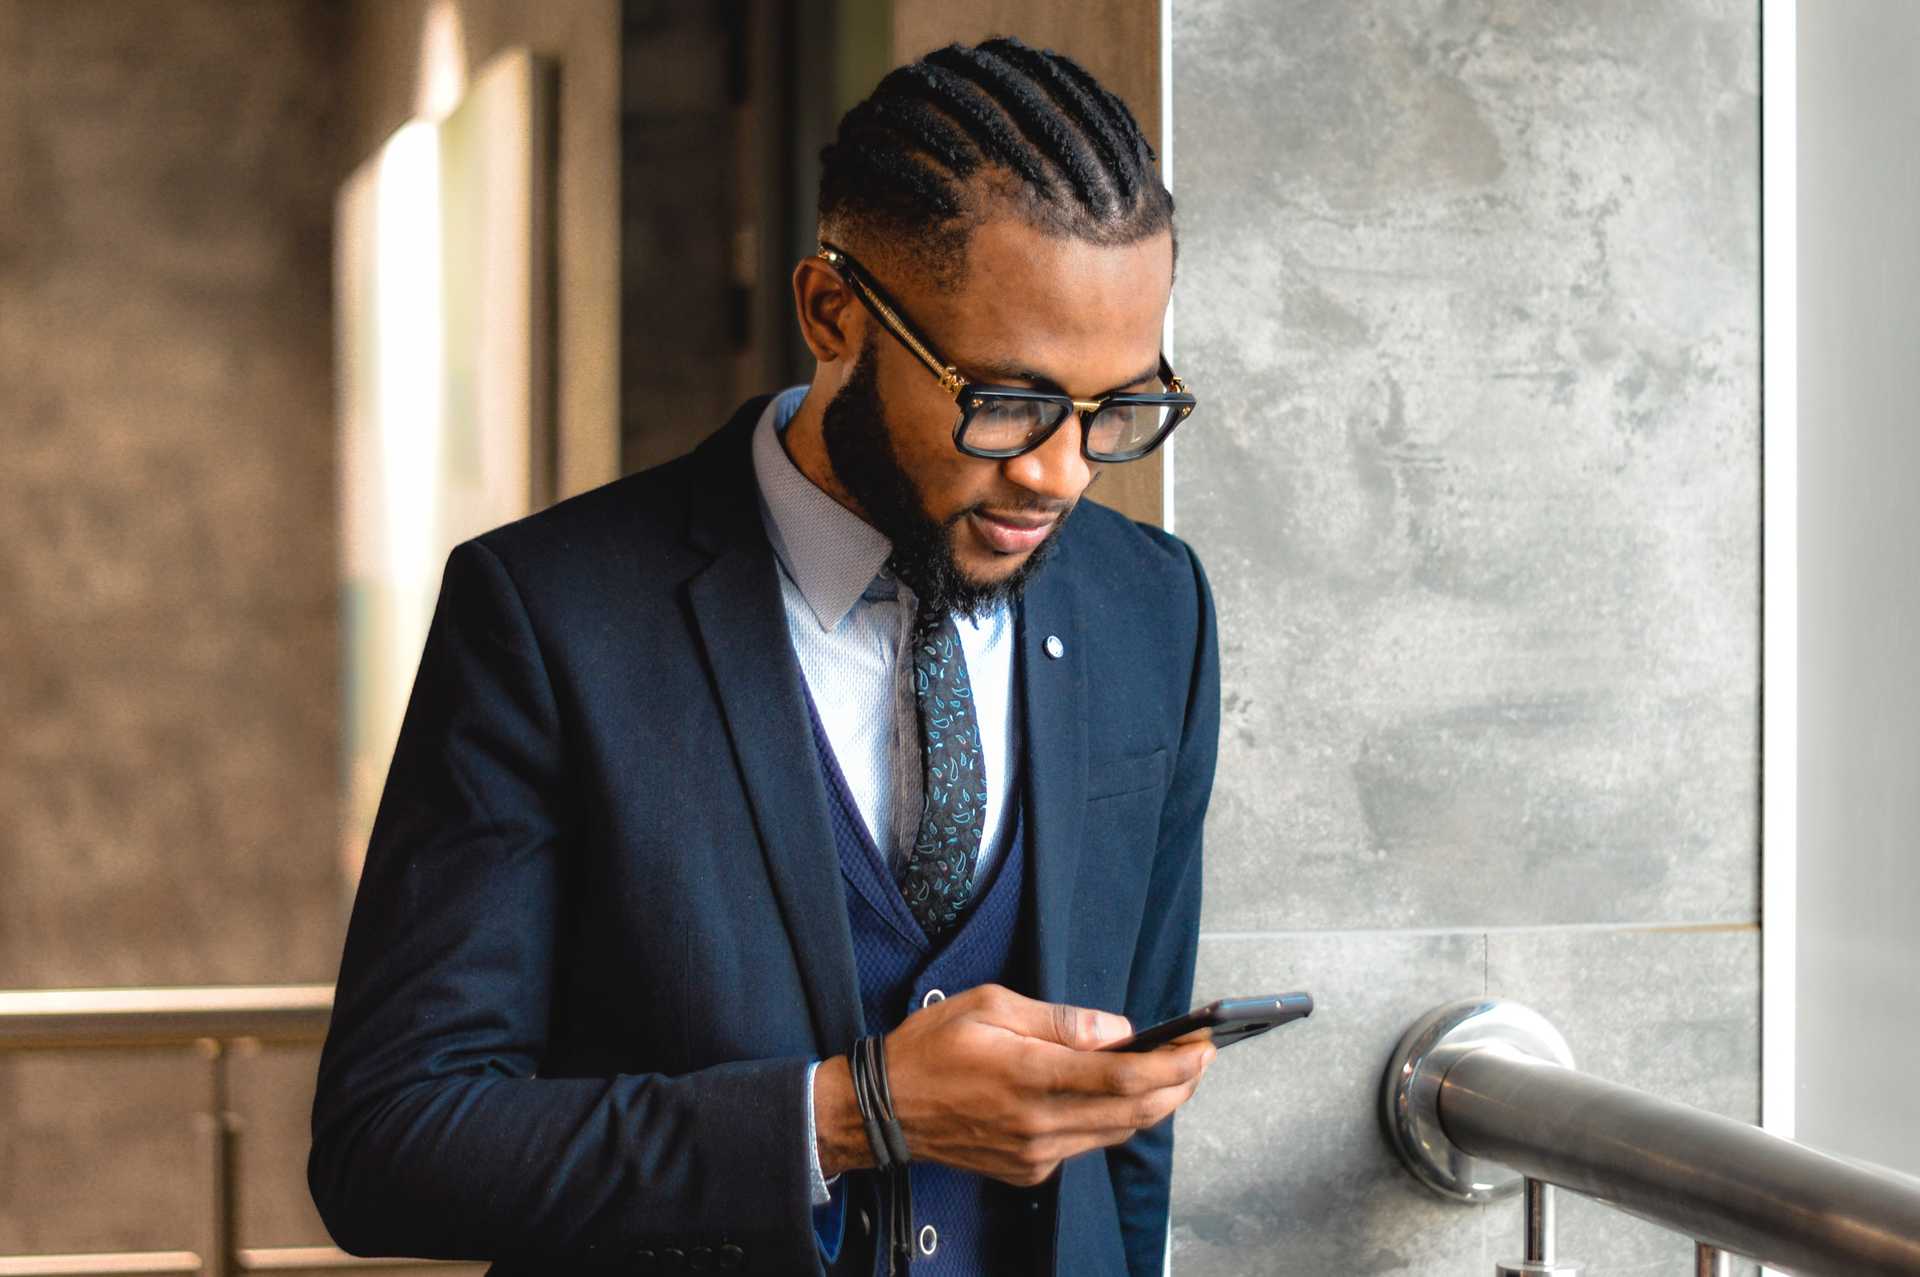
1410 1097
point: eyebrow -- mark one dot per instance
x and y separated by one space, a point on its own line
1011 371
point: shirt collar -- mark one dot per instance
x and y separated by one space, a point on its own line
828 551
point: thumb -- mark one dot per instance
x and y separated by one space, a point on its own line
1082 1028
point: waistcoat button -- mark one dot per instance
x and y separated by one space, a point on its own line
929 1239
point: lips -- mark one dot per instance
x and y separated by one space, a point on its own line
1011 535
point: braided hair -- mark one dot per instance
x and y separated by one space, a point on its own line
966 131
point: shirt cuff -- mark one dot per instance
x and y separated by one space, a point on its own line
817 1181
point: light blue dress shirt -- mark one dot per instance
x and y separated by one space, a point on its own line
847 619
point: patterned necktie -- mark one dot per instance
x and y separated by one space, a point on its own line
937 879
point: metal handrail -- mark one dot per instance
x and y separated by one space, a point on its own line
125 1263
218 1021
64 1019
1723 1182
1491 1098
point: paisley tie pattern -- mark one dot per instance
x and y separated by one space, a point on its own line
937 878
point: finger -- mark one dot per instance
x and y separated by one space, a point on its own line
1131 1074
1105 1137
1079 1083
1158 1106
1199 1054
1098 1120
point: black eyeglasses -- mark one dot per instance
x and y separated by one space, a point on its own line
997 422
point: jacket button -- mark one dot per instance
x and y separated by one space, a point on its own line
933 996
673 1260
731 1258
700 1259
645 1259
929 1240
866 1223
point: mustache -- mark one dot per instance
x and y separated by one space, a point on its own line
1022 504
1017 506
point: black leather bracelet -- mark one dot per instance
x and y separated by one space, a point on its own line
889 1123
873 1092
869 1110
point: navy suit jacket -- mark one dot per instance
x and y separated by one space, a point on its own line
601 930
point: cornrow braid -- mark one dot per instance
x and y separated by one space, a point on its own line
1035 115
988 126
943 142
919 120
1115 151
1144 154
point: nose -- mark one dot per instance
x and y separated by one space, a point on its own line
1055 470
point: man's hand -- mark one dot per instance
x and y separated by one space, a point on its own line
996 1083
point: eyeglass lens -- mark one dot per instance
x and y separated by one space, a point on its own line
1117 430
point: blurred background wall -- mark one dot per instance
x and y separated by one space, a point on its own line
169 645
165 339
1470 292
171 642
413 57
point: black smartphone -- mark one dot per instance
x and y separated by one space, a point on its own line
1224 1022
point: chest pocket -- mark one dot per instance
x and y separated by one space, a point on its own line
1114 777
1118 842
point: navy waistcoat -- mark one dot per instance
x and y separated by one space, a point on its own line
978 1225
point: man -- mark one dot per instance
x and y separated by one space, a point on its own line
854 723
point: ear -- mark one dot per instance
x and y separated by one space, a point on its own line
832 321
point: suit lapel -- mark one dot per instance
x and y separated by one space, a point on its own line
1053 693
737 610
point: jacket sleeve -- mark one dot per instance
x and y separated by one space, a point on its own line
433 1134
1160 984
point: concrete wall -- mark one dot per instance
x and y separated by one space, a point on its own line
1859 329
1469 295
168 637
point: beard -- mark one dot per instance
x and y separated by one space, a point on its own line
860 449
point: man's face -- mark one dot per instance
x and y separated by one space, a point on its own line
1032 311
